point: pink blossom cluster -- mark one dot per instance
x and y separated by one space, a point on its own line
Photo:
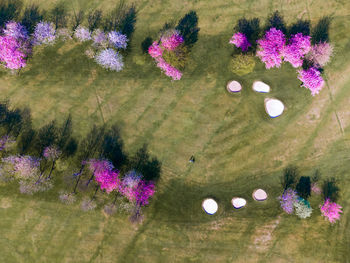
100 165
139 192
240 41
168 69
156 51
320 54
271 47
172 42
331 210
299 45
311 79
11 53
108 180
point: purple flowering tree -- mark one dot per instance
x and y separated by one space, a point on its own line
82 34
110 59
44 33
99 38
118 40
287 200
311 79
299 45
240 41
270 48
16 30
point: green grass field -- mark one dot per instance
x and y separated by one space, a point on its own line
237 146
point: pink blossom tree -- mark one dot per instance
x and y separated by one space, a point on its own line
320 54
299 45
172 41
331 211
11 54
311 79
240 41
270 48
108 180
98 166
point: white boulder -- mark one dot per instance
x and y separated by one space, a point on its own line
274 107
260 86
238 202
234 86
259 195
210 206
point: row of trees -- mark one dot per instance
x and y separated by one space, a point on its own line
108 34
304 48
98 161
297 190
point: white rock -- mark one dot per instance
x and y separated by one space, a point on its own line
234 86
210 206
259 195
260 86
274 107
238 202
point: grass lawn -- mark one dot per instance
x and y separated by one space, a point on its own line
237 146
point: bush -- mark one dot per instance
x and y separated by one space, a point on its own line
242 64
290 177
302 208
176 58
146 43
304 187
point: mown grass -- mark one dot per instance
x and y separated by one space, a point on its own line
237 147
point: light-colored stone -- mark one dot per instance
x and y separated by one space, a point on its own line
274 107
260 86
234 86
259 195
210 206
238 202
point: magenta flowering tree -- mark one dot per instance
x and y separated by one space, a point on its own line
299 45
97 166
171 42
155 50
144 191
331 210
311 79
270 48
11 54
108 180
287 200
240 41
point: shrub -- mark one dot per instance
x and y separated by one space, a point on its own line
242 64
302 208
146 43
304 187
176 58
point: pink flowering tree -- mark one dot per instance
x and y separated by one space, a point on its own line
97 166
11 53
311 79
170 41
240 41
320 54
299 45
331 210
108 180
270 48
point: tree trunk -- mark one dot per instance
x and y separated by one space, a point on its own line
93 197
79 176
52 168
